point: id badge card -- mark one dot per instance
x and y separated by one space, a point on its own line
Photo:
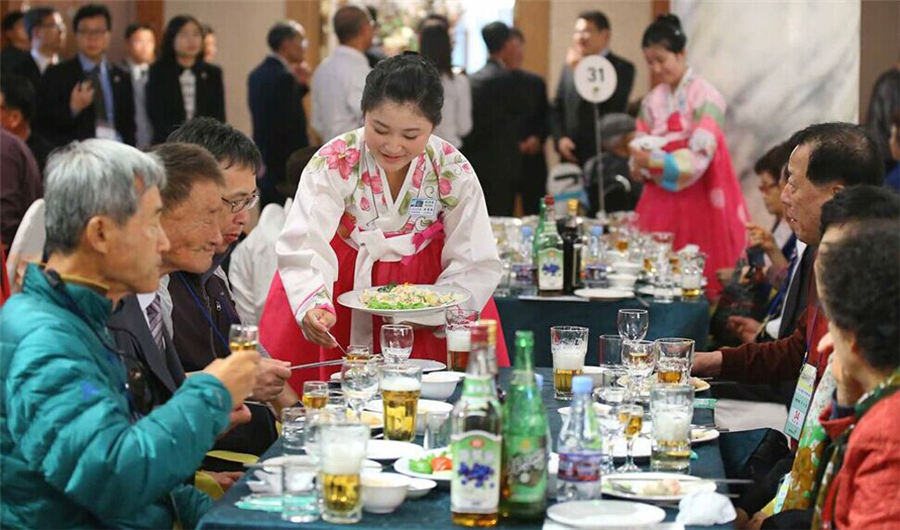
425 208
800 402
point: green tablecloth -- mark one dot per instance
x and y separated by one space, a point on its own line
678 319
433 510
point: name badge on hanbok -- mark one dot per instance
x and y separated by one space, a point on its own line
800 402
426 208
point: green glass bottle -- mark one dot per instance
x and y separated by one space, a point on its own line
549 255
523 490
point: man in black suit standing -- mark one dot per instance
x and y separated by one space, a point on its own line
87 96
572 118
47 35
16 44
275 94
493 145
533 116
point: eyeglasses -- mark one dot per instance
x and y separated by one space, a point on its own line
242 204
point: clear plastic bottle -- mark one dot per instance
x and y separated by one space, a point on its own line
580 448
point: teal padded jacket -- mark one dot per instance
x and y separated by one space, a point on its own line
70 454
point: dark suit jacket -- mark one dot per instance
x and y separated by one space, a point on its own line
16 61
165 105
54 118
573 117
163 373
534 120
279 121
493 145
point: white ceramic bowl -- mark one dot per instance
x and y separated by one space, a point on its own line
627 267
595 373
383 492
419 487
622 281
439 385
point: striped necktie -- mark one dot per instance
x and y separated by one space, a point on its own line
154 316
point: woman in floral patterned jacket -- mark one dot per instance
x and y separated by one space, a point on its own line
388 202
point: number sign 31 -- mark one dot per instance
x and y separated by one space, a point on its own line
595 78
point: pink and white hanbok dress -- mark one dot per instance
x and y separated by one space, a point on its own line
344 232
693 191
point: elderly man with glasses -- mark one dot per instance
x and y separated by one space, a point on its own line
76 451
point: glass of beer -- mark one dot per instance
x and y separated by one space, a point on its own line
242 337
315 394
674 359
457 331
671 409
358 352
691 278
342 451
400 389
568 345
631 416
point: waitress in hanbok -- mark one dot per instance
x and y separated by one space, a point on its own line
691 189
388 202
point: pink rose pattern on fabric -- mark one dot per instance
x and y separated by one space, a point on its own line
341 157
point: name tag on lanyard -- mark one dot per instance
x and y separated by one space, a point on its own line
426 208
800 402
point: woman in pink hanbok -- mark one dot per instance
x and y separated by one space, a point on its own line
691 189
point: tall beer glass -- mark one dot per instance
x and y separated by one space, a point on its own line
671 409
568 345
342 449
457 331
400 389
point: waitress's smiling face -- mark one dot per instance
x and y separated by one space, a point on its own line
396 133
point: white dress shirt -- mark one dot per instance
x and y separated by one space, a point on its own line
774 325
43 62
337 88
188 82
143 128
456 115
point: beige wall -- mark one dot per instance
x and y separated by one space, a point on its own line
879 46
241 28
627 19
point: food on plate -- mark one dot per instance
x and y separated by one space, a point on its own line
433 464
665 487
406 296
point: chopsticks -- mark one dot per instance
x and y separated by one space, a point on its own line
685 480
335 362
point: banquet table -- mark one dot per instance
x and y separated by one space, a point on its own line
676 319
433 510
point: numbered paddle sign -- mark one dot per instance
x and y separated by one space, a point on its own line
595 78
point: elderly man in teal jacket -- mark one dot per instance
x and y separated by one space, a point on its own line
73 450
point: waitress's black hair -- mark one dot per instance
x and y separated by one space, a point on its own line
434 45
167 48
407 78
665 31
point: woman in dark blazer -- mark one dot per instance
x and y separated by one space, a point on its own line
180 65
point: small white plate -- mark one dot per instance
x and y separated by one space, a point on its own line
427 365
604 294
605 514
441 477
699 436
638 481
389 450
419 487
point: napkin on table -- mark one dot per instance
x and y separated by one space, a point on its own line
705 509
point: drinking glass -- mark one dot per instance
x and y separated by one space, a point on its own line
610 428
568 345
674 359
610 350
293 427
631 417
359 381
243 337
671 409
457 330
633 323
315 394
358 352
437 430
639 358
342 450
692 277
612 390
401 386
336 405
396 342
299 495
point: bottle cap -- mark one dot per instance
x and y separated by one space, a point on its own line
527 230
582 384
525 337
491 328
539 380
549 200
597 230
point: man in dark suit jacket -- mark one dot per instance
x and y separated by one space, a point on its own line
572 118
533 116
47 37
275 94
493 145
87 96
